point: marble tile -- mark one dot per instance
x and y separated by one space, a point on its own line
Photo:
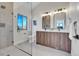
39 50
25 46
12 51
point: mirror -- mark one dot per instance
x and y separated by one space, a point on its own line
46 22
59 21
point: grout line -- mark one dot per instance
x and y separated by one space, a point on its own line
23 51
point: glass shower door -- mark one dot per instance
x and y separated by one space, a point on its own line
24 28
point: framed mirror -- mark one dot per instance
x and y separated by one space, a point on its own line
46 22
59 21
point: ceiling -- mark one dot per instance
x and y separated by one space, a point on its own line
27 4
35 4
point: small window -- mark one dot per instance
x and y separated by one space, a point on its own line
19 22
22 22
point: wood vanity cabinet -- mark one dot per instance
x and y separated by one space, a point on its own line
57 40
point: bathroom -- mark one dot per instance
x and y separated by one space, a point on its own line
47 26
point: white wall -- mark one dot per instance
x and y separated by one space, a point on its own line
74 15
46 7
6 32
23 9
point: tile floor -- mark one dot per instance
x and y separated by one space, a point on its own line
12 51
37 50
40 50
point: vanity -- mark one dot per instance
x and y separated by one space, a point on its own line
54 39
53 32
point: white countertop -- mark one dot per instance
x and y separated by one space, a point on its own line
54 31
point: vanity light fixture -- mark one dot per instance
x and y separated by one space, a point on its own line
56 11
46 13
60 10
